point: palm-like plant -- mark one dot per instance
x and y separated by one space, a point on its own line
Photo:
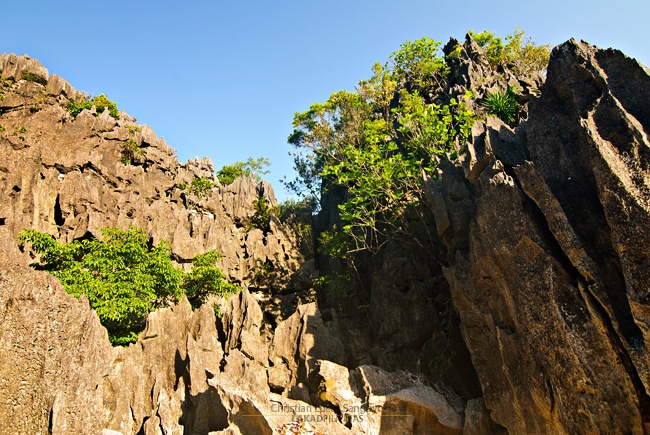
503 105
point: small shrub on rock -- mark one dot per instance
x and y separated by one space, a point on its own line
200 186
502 105
250 168
35 78
100 102
518 53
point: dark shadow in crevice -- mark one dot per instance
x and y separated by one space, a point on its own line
618 300
144 421
204 413
58 214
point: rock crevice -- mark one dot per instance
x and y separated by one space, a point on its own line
549 287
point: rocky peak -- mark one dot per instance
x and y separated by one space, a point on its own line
471 71
71 176
16 67
541 232
546 228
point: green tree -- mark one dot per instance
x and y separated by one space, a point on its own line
383 177
320 132
250 168
378 143
124 277
206 279
420 63
518 53
200 186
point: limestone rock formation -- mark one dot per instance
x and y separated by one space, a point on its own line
251 371
542 234
69 176
548 261
190 372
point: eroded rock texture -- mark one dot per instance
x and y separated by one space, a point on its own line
67 176
543 236
551 275
191 373
250 372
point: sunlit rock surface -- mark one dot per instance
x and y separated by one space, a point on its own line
542 233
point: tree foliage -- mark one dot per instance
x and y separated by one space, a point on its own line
100 102
420 63
124 277
261 218
377 143
200 186
131 152
250 168
520 54
205 279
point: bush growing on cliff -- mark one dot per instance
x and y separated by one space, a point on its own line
420 63
503 105
124 277
520 54
376 146
261 218
378 143
250 168
100 102
200 186
131 153
35 78
205 279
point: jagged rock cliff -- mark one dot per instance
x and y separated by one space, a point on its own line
251 371
543 237
550 275
64 175
191 373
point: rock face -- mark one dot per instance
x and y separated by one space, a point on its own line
252 371
190 372
542 233
549 260
66 176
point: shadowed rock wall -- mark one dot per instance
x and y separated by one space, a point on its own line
551 277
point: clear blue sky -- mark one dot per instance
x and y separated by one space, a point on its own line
223 79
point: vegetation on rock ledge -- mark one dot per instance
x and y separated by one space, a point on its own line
250 168
503 105
520 55
378 144
100 102
124 277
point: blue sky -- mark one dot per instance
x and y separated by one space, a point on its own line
224 79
